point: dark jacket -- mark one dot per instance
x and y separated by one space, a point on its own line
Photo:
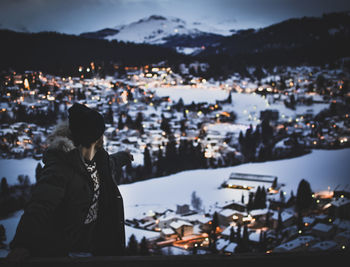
53 220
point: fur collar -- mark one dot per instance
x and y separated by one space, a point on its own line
60 138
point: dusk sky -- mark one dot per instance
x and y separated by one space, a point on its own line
77 16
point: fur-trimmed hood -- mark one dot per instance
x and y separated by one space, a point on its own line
60 138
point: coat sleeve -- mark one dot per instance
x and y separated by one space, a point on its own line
47 195
116 162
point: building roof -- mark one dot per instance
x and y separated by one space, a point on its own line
259 212
325 245
342 224
343 188
340 202
180 223
231 247
309 220
221 243
295 243
227 212
168 231
285 215
323 227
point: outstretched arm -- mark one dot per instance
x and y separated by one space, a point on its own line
117 161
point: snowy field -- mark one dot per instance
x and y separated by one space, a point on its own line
11 168
246 106
188 94
322 168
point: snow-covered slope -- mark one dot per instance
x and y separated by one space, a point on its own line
152 30
167 31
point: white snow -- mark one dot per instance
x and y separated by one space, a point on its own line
321 168
246 106
11 168
10 225
152 30
139 233
188 94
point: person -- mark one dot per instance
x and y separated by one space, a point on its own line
76 206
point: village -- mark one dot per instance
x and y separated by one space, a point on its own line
268 222
137 116
306 111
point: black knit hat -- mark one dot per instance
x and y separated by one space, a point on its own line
85 124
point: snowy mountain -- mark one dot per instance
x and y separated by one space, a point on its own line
166 31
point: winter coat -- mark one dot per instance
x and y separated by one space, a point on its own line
53 221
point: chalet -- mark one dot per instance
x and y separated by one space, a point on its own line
230 248
286 216
259 214
254 236
247 181
221 244
227 231
342 225
182 228
300 243
235 206
182 209
309 221
227 216
342 191
168 233
199 219
323 231
165 220
340 208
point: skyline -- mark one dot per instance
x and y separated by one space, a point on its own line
75 17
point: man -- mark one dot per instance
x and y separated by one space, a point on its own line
76 205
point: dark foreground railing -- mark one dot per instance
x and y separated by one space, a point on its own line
313 259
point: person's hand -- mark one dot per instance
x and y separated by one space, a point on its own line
18 255
122 158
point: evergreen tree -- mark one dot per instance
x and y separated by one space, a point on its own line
133 246
129 122
267 219
160 162
232 234
109 116
291 200
274 184
147 162
144 251
304 198
165 126
4 190
138 123
212 234
279 222
120 122
196 202
250 205
171 157
38 171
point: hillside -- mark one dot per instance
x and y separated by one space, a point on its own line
62 54
309 40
